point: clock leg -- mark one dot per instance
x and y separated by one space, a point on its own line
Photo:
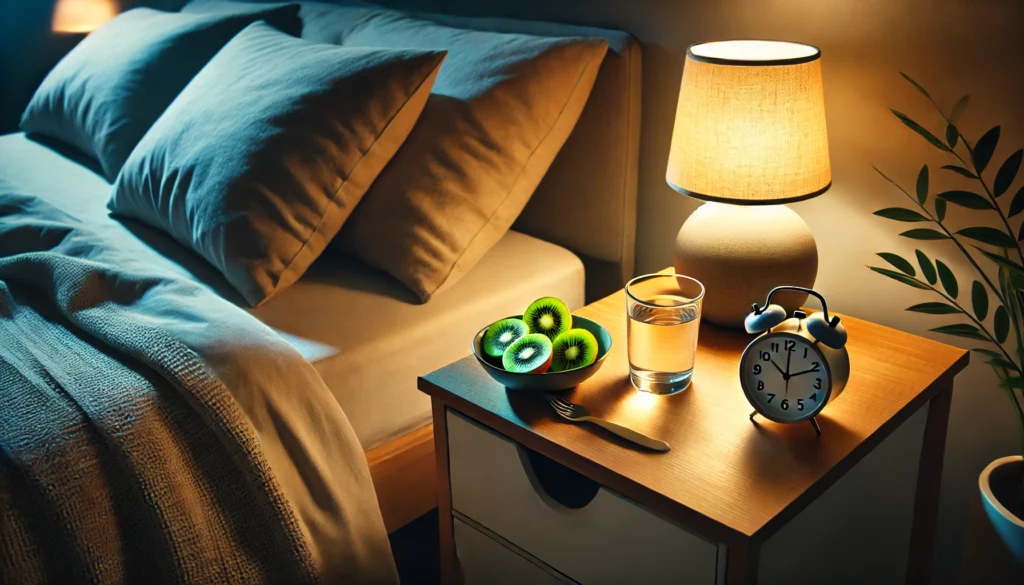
814 424
752 415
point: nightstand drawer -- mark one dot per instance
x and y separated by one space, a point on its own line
485 561
608 540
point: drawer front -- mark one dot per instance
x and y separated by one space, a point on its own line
609 540
486 562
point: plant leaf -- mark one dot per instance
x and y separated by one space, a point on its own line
924 234
1000 260
916 84
961 330
1017 203
990 236
921 130
966 199
979 300
959 108
1002 364
984 148
934 309
960 171
989 352
940 209
1013 382
1007 173
1001 324
899 277
947 279
900 214
922 184
1020 233
899 262
952 135
927 270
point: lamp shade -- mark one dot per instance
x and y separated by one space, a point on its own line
750 124
82 16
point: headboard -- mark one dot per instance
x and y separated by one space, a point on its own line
587 200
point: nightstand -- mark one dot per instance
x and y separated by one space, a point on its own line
526 498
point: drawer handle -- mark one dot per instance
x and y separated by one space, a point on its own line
556 483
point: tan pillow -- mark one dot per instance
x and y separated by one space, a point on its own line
263 156
500 110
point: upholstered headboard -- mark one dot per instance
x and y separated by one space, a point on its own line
587 200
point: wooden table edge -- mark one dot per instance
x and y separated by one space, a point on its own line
692 520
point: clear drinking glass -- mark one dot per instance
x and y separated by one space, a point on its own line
663 318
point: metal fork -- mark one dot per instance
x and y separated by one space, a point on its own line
577 413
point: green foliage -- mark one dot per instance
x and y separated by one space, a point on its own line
966 199
899 262
900 214
927 268
995 242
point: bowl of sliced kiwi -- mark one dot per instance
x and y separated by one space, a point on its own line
545 349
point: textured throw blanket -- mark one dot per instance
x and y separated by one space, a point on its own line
153 433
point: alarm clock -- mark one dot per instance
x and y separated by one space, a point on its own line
797 364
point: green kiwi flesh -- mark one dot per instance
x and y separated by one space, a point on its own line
530 354
573 349
548 316
502 334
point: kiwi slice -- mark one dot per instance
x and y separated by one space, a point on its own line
501 334
573 349
530 354
548 316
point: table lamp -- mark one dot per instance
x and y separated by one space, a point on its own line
749 136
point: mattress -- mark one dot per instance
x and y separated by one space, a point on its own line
362 330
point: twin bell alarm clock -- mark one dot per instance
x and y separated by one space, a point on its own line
797 364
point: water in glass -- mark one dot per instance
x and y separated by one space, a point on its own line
662 340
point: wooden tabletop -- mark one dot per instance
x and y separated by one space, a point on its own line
725 477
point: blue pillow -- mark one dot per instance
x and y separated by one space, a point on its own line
263 156
104 95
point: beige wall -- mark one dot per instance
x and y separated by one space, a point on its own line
951 46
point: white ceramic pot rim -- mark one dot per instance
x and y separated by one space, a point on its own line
986 489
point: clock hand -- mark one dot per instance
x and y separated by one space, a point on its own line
786 376
778 368
804 372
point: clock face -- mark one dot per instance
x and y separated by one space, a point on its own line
785 377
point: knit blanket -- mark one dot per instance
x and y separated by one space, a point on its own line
142 438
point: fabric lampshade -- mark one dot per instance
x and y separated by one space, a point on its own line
82 16
750 124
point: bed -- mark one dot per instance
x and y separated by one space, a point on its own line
350 321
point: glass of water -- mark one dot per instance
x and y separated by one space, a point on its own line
663 318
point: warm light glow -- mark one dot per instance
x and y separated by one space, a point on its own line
750 124
753 51
78 16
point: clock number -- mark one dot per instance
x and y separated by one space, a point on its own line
814 397
775 347
799 403
790 345
815 367
785 404
805 351
766 356
817 383
770 397
757 369
760 384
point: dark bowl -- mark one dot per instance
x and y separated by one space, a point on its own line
548 381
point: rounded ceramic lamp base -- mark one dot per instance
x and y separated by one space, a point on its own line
742 252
